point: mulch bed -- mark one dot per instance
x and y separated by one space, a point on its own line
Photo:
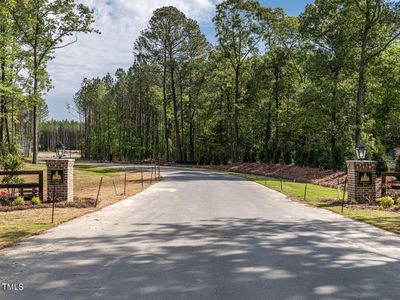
84 203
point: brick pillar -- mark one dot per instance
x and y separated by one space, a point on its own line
60 178
361 176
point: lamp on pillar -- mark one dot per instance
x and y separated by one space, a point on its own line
60 150
361 152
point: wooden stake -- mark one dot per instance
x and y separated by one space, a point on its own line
125 185
305 192
338 188
141 172
115 188
344 194
98 192
54 204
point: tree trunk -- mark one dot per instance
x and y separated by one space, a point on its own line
268 132
35 119
191 129
182 119
334 150
236 149
361 88
277 104
3 101
166 153
175 107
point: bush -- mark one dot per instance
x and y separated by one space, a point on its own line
19 201
382 162
4 198
386 202
11 162
36 200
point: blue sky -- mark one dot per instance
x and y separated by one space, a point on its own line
120 22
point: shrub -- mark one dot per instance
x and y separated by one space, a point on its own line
382 162
19 201
386 202
36 200
4 198
11 162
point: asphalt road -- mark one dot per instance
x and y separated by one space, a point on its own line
202 235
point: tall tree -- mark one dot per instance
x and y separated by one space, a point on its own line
46 26
379 27
238 33
10 56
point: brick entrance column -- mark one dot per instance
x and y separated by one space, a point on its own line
361 176
60 179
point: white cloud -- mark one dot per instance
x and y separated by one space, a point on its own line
120 22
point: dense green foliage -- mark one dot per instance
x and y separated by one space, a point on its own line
274 87
30 33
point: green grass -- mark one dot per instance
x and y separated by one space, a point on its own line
329 198
103 171
12 234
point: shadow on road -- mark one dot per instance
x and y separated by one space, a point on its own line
225 258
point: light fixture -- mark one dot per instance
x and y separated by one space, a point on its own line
361 152
60 150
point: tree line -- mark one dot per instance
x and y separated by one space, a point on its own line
274 88
53 132
30 33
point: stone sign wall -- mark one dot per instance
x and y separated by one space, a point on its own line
60 179
361 176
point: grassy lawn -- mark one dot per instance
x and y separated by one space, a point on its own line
330 199
18 225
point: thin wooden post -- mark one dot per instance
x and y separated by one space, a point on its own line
54 204
41 196
98 192
141 172
281 184
151 175
115 188
125 185
344 194
383 185
305 191
265 179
